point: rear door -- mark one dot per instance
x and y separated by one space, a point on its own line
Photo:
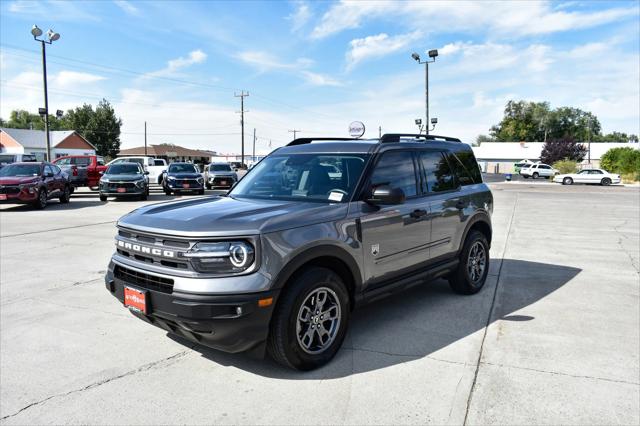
53 187
396 237
446 202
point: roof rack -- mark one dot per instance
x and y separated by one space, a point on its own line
395 137
302 141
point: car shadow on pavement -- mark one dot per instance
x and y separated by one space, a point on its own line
52 205
418 322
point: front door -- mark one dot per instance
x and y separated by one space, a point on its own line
395 238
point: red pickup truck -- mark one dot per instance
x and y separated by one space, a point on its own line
83 170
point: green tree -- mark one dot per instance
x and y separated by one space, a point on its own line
522 121
101 126
484 138
616 137
22 119
625 160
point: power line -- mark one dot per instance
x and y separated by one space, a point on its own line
294 131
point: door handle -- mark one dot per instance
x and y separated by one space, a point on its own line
418 213
461 205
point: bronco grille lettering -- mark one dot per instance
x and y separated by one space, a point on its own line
146 250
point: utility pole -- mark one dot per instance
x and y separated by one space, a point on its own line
432 55
242 96
145 138
589 143
379 131
253 156
294 131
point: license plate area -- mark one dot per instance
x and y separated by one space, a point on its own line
223 182
185 185
121 190
135 299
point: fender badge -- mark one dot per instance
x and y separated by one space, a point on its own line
375 249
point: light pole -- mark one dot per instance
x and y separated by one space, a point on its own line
52 36
432 54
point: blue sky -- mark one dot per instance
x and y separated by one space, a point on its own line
316 66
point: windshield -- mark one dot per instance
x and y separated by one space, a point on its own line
220 168
124 169
303 177
182 168
20 170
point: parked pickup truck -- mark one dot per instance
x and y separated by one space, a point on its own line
83 170
155 166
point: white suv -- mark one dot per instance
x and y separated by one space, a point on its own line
538 170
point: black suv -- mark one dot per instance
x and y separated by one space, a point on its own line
315 229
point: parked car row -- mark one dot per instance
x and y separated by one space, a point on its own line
33 183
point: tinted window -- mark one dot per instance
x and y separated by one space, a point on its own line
396 169
124 169
48 170
220 168
596 172
100 161
182 168
438 172
56 169
28 158
64 161
465 167
81 161
6 159
158 162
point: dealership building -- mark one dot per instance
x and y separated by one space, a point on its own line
500 157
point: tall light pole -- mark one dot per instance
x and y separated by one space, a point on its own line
51 36
432 54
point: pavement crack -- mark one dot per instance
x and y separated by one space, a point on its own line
155 364
493 302
57 229
621 236
577 376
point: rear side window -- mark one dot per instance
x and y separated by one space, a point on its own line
100 161
439 176
158 162
6 159
81 161
396 169
465 167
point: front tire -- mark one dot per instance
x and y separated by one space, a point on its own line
605 182
473 268
66 195
536 175
41 202
567 181
310 320
103 198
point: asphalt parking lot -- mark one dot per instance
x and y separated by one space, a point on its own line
553 338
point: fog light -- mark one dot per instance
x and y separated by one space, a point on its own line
239 310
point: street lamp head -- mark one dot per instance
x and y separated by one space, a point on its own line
59 113
418 121
433 53
52 35
35 31
434 120
42 112
415 56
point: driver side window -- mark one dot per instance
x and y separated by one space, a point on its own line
396 169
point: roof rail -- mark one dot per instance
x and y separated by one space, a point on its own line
395 137
302 141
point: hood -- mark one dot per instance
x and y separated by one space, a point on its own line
184 175
225 216
124 178
17 180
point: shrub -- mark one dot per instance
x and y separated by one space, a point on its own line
566 166
559 149
624 161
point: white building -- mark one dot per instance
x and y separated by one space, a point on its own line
499 157
25 141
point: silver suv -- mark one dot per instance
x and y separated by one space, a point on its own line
314 230
219 175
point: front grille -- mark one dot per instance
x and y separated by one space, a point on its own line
140 279
156 242
190 182
10 190
228 180
116 185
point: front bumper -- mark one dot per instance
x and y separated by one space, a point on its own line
221 181
22 197
229 322
177 186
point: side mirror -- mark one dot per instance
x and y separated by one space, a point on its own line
146 173
385 194
101 172
48 174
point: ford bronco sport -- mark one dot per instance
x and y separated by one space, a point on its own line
315 229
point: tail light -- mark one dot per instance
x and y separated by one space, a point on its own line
74 170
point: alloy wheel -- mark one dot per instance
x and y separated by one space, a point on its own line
477 262
318 320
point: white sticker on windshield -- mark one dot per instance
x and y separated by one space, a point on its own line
336 196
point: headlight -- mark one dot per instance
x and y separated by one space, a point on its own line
104 180
171 178
200 180
221 257
140 183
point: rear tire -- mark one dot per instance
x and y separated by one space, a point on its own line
167 192
144 196
208 186
567 181
310 320
473 268
605 182
66 195
535 175
525 176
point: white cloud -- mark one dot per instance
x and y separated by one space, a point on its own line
377 46
175 65
300 16
54 11
127 7
498 17
320 79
